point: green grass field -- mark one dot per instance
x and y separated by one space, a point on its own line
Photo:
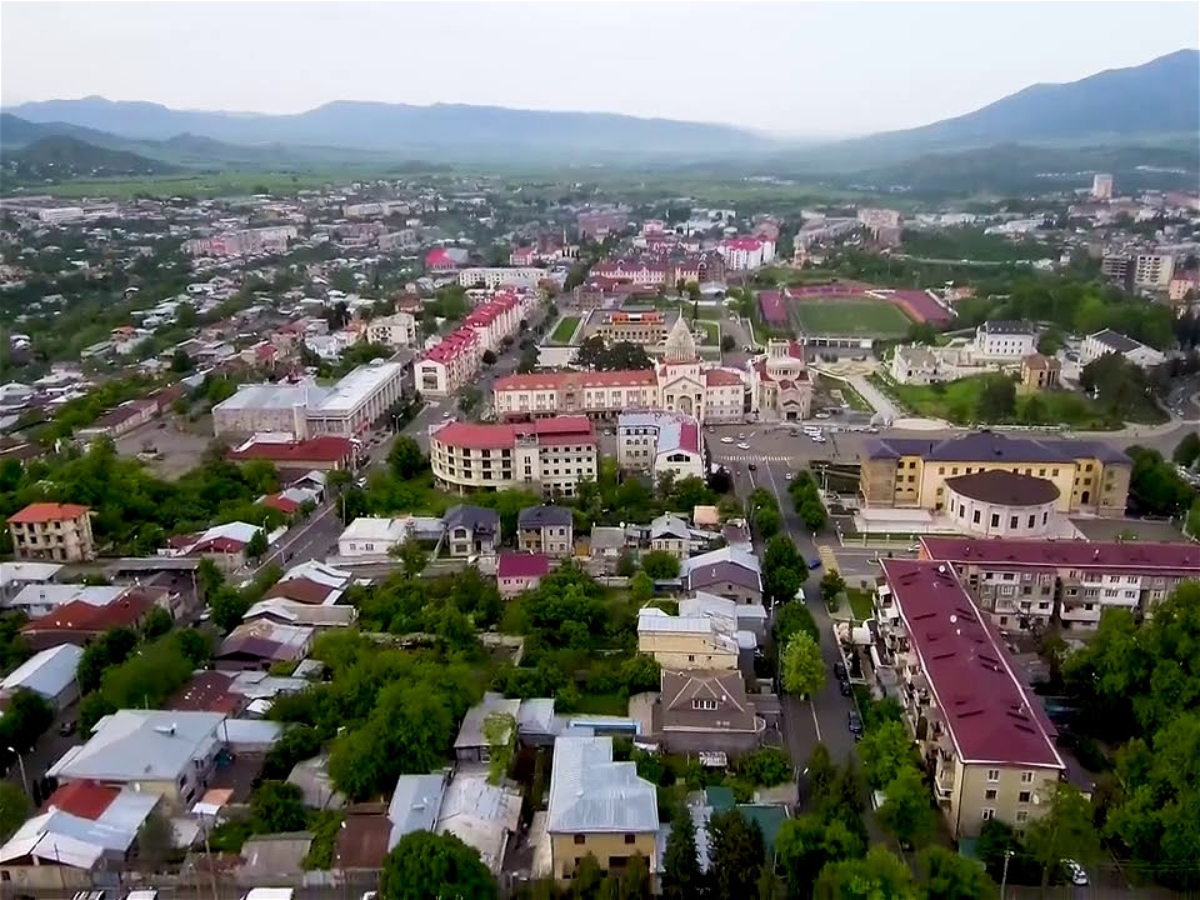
565 329
852 316
712 332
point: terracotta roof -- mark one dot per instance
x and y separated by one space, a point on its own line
327 448
578 380
78 616
718 377
988 712
206 692
283 504
84 799
36 513
1038 361
474 436
771 304
301 590
1133 556
1008 488
522 565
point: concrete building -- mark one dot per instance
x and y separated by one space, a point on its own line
1040 373
1020 583
1108 341
911 473
648 328
1153 271
599 807
546 529
729 572
992 750
247 242
373 537
1006 340
61 532
471 531
670 534
914 364
781 385
743 253
660 442
396 330
51 674
553 454
500 276
1102 186
999 503
686 642
520 572
699 711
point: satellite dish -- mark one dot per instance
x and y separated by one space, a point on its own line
953 619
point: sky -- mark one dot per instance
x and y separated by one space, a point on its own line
819 69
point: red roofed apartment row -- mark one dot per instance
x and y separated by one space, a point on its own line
993 748
474 436
322 453
79 623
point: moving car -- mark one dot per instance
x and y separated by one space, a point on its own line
1075 872
743 446
787 476
727 440
752 467
814 564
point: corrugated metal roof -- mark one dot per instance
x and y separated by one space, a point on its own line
415 805
47 673
591 793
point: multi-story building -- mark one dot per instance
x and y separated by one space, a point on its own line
686 642
1020 583
1006 340
248 242
745 253
990 745
449 364
546 529
502 276
911 473
396 330
646 329
1102 186
781 385
1040 373
55 531
1117 267
635 271
915 364
1108 341
1153 271
553 454
1183 285
660 442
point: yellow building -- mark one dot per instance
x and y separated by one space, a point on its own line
911 473
56 531
1039 373
598 807
990 747
680 643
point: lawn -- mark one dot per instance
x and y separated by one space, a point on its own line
565 329
712 332
864 318
712 311
860 604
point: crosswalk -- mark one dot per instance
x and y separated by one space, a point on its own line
752 457
828 557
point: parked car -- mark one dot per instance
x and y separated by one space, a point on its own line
67 728
1075 872
844 688
854 723
839 671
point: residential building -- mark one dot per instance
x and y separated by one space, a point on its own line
645 328
262 643
61 532
312 583
781 385
553 454
743 253
371 537
670 534
599 807
449 365
1118 268
1006 340
1040 373
635 271
546 529
914 364
446 259
327 452
730 572
472 531
499 276
1184 285
38 600
169 753
1153 271
396 330
224 544
1108 341
472 745
687 642
1102 186
991 748
1022 583
50 674
16 576
80 622
520 572
482 815
911 472
248 242
731 617
704 711
661 443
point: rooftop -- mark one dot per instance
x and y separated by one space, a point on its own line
141 745
522 565
554 381
1131 556
415 804
327 448
989 446
36 513
1115 341
46 673
590 793
545 516
989 715
354 388
1008 488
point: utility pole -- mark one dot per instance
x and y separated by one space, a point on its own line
1004 876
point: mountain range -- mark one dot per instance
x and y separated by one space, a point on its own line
1159 98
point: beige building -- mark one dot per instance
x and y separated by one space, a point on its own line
548 454
781 385
670 534
396 330
990 745
681 643
546 529
55 531
1000 503
598 807
1039 373
646 329
911 473
1153 270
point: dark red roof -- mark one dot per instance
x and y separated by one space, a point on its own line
522 565
36 513
989 714
327 448
301 590
773 309
206 692
78 616
283 504
84 799
1130 556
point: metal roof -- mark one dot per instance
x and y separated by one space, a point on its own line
415 805
591 793
46 673
142 745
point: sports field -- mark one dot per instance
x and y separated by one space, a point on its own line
851 316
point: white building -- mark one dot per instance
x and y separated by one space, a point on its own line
498 277
741 254
1153 271
1108 341
660 442
396 330
373 537
1006 340
781 385
50 674
60 215
914 364
1102 186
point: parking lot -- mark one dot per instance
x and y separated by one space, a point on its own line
178 442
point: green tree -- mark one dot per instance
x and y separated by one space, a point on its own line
766 767
813 514
808 843
489 358
641 588
261 475
155 841
228 608
832 585
802 670
1187 451
727 343
277 807
158 622
587 881
209 578
791 618
413 557
110 649
681 875
949 876
736 856
880 875
998 399
257 546
768 522
14 809
425 865
906 812
635 881
406 459
1065 830
884 751
660 565
26 719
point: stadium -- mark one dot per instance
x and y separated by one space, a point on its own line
849 314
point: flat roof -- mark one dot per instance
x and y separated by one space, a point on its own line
273 396
353 390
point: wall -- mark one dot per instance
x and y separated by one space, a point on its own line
565 853
686 651
968 800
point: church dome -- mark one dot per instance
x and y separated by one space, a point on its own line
680 346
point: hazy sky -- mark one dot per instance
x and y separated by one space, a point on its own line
795 68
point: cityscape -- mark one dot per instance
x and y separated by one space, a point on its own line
467 501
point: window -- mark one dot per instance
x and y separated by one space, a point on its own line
1023 815
1026 778
1012 522
995 520
1032 521
975 518
580 839
1024 797
993 776
989 814
989 794
704 704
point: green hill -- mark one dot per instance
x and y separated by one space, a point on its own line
60 157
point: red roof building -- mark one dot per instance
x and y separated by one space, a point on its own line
40 513
326 452
85 799
79 622
517 572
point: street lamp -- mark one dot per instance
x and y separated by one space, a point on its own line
21 763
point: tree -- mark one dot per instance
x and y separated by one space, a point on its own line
1064 831
155 841
884 751
681 875
906 812
998 399
766 767
880 875
587 881
948 876
181 362
413 557
25 720
736 856
641 588
157 623
489 358
660 565
277 807
261 475
469 398
14 809
626 566
1187 452
406 459
802 669
635 881
228 608
808 843
832 586
813 514
257 546
111 649
727 343
794 617
768 522
425 865
1034 412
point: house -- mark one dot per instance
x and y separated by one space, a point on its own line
598 807
372 537
79 622
700 710
472 531
517 572
660 442
546 529
50 674
914 364
262 643
1039 373
415 804
731 617
687 642
282 611
1006 340
311 582
670 534
480 814
473 744
15 576
224 544
61 532
1108 341
38 600
155 752
729 572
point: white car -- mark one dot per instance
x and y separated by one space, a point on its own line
818 438
743 446
741 437
821 415
446 414
787 476
1075 872
727 440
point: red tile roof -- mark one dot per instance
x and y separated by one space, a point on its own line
78 616
522 565
719 377
36 513
327 448
771 304
84 799
207 692
473 436
301 590
1131 556
988 712
283 504
579 380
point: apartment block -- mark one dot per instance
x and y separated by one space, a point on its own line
396 330
53 531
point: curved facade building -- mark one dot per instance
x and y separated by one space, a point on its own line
1002 504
